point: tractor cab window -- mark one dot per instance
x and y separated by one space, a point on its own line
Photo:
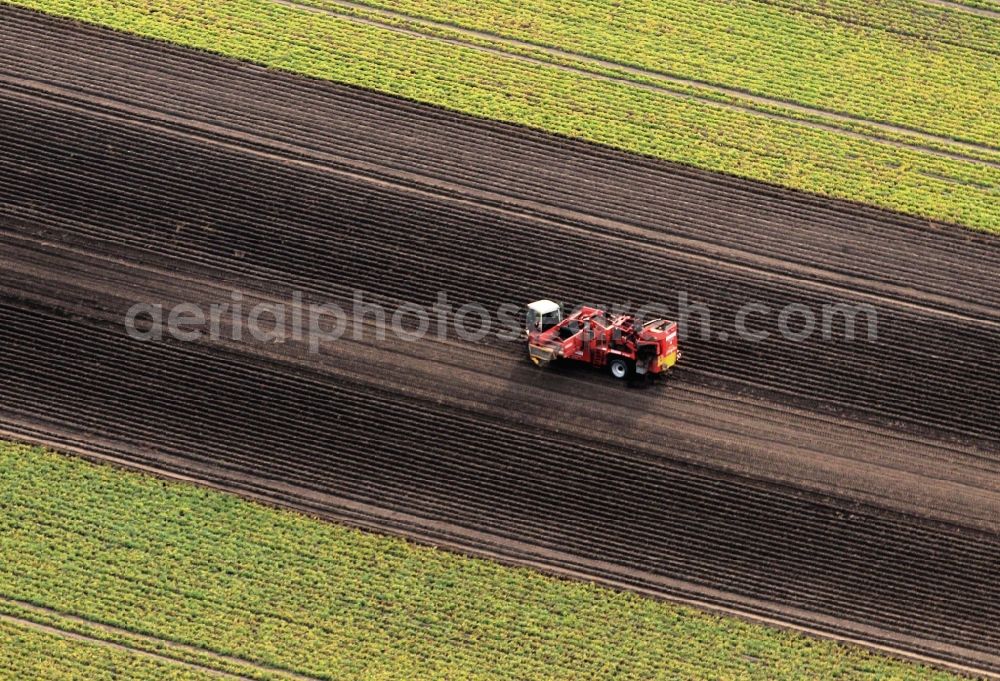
542 322
542 316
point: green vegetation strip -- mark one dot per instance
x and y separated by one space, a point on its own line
148 558
26 653
136 643
729 97
848 59
674 127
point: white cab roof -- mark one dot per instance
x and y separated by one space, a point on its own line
544 307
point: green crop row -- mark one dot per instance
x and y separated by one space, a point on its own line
825 61
69 626
621 72
26 653
671 127
196 567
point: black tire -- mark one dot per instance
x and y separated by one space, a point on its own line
620 368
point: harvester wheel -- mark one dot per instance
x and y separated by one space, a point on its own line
620 368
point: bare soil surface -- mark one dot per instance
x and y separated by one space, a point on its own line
850 487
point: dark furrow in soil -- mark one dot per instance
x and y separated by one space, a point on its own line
844 237
177 198
770 543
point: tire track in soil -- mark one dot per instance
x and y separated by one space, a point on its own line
94 640
118 632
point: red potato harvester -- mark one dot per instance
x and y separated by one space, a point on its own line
590 335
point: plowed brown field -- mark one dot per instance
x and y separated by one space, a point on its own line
850 487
